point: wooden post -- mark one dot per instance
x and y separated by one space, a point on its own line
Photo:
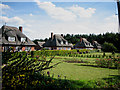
118 5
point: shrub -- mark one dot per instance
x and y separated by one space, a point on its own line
109 62
19 69
108 47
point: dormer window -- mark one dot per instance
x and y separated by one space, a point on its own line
11 39
23 39
61 42
66 43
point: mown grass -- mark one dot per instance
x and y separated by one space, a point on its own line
77 71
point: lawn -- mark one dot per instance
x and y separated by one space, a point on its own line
78 71
24 71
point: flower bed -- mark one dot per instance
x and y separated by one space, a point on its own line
108 62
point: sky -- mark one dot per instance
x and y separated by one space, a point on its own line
40 18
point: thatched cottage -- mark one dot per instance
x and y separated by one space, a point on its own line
83 44
57 42
13 38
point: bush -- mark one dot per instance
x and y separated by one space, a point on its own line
70 53
108 47
19 68
108 63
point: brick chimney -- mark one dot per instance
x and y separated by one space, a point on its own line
20 28
80 39
52 35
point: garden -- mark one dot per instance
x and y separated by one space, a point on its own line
60 69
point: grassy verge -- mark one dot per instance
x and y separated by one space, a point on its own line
80 71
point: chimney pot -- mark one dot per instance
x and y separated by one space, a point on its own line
20 28
52 35
80 39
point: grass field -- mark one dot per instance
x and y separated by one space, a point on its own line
71 72
78 71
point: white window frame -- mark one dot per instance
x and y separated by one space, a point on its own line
66 43
62 42
23 39
11 39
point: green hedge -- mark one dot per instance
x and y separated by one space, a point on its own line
70 53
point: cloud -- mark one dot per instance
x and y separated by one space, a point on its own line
82 12
111 23
56 12
13 20
111 18
31 14
85 28
3 6
38 26
69 14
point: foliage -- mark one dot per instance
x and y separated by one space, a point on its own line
108 47
70 53
108 62
111 83
17 71
101 38
22 71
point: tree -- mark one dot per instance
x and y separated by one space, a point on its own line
108 47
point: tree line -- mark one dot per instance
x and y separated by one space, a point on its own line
113 38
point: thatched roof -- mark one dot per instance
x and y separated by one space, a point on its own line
96 45
8 31
40 43
57 41
83 44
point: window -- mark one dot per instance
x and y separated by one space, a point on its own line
68 48
64 48
11 39
66 43
23 39
27 48
60 48
61 42
17 48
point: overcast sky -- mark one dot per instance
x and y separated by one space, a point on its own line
39 19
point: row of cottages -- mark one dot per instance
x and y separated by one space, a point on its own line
84 44
14 39
57 42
